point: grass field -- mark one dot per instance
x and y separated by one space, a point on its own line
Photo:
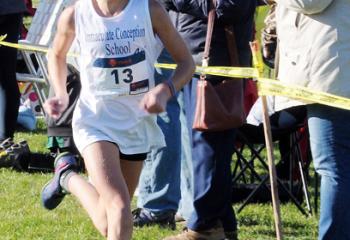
22 217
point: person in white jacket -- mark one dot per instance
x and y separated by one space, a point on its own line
314 45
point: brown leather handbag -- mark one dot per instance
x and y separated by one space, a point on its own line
219 107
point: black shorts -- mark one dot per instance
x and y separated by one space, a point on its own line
133 157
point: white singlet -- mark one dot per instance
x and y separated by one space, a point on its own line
117 56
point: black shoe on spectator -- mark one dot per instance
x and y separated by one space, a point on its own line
143 217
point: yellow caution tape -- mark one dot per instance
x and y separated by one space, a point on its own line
265 86
233 72
270 87
29 47
22 46
257 57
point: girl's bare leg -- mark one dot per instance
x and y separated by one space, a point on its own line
131 172
90 200
107 201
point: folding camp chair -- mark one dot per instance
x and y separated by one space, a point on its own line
41 33
250 179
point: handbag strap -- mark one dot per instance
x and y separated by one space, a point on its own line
230 37
210 28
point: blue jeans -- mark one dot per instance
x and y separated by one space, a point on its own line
211 159
186 204
159 184
330 145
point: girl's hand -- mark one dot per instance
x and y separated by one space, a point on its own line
155 100
55 106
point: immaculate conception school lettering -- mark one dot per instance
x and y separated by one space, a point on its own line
113 46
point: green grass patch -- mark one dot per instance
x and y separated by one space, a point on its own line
22 216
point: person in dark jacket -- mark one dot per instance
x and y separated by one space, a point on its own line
10 21
59 131
213 216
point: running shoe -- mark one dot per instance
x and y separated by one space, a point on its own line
53 193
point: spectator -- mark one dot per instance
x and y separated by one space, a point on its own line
211 151
167 173
59 131
112 123
314 45
10 21
159 184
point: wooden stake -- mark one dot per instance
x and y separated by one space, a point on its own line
272 169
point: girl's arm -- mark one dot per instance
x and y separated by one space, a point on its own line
57 63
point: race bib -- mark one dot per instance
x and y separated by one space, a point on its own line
128 75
